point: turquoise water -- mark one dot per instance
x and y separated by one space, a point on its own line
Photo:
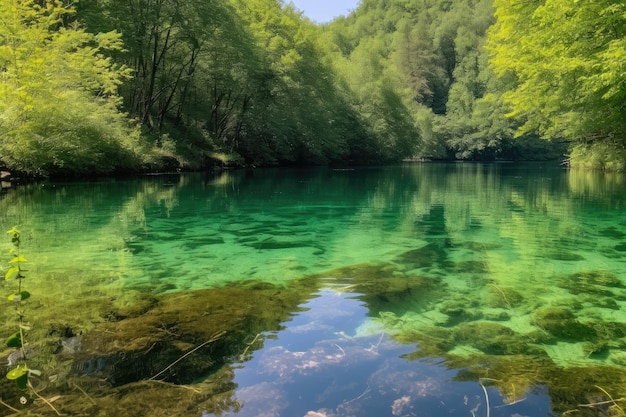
429 285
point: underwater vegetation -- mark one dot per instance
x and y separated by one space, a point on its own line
505 335
179 349
171 355
176 289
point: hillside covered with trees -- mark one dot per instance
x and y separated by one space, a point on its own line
101 86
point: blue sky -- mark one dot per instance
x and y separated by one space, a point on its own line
322 11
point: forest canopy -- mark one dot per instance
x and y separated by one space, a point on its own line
566 61
59 107
99 86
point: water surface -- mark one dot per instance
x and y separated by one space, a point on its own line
421 289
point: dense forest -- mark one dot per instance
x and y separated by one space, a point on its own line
101 86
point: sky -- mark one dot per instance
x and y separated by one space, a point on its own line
322 11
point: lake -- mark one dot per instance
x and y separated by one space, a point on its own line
422 289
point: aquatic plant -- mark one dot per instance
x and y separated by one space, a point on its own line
20 371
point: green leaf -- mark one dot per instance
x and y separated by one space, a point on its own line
17 372
17 258
24 295
19 375
11 272
22 381
14 341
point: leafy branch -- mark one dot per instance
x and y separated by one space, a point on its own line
19 373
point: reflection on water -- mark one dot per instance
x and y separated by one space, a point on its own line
435 287
330 362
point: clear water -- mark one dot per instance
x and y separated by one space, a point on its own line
429 289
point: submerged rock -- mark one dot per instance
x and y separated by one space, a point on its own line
562 324
71 345
503 297
596 283
14 357
384 287
490 338
612 232
184 336
563 256
432 255
460 309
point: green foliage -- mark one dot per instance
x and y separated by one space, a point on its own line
565 62
14 341
255 80
59 109
297 114
602 155
431 55
19 374
15 272
231 77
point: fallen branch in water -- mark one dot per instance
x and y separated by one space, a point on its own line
9 407
156 381
211 340
248 345
48 403
486 397
85 394
610 401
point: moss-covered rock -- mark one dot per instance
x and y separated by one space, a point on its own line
503 297
562 324
596 283
469 267
433 255
490 338
384 287
460 309
612 232
205 328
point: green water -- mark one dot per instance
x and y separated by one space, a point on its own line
512 276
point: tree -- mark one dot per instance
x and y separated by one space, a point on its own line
163 41
297 112
415 59
566 62
59 107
